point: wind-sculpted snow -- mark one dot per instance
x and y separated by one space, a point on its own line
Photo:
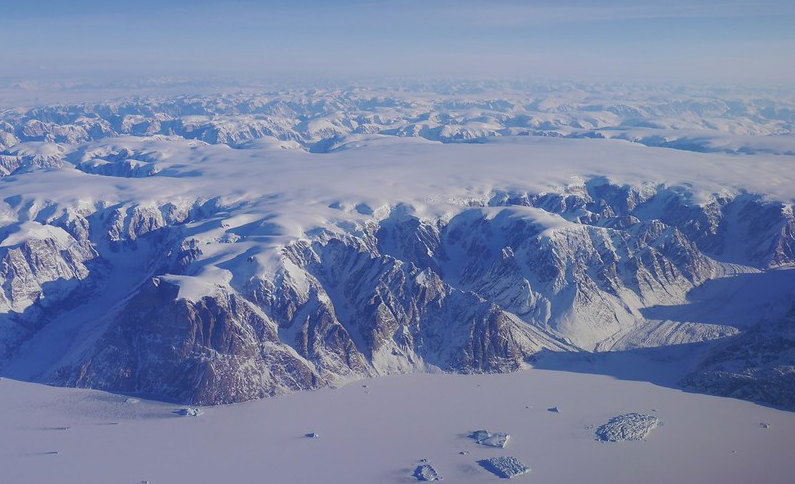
219 266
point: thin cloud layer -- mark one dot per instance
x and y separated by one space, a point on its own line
685 41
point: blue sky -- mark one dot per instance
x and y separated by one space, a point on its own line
725 40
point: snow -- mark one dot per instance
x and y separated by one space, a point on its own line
399 419
38 149
34 230
291 189
193 288
430 176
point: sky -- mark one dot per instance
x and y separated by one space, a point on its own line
695 40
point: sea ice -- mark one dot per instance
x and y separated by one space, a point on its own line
496 439
505 467
426 472
189 412
630 426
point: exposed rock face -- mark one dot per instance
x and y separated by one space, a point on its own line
758 365
42 268
565 275
400 315
45 256
215 350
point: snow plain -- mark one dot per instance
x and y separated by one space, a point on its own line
378 430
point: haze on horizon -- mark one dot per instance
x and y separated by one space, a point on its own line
699 40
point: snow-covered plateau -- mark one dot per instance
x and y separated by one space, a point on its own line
218 249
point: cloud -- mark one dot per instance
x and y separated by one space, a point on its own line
537 13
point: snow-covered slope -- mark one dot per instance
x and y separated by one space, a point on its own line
240 263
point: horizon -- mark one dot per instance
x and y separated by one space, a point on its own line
680 42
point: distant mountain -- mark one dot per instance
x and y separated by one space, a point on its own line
324 120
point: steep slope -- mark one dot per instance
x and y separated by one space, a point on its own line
218 349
